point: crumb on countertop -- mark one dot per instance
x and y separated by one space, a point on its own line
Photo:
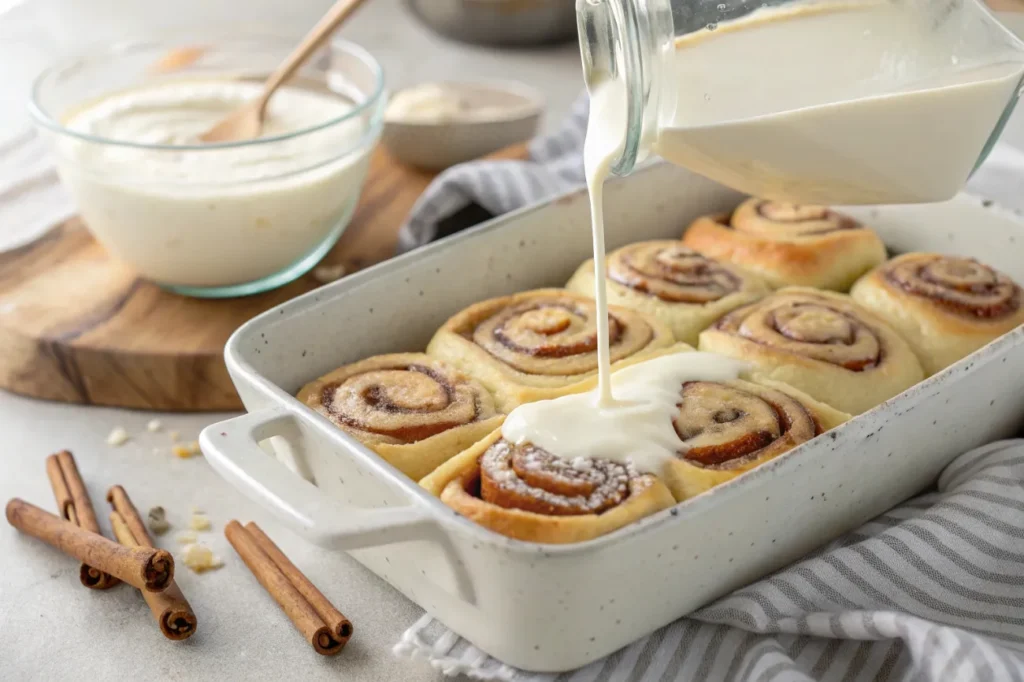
200 558
186 450
154 425
200 522
117 437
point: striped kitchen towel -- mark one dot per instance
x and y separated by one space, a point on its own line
555 166
932 591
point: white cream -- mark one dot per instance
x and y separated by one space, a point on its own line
449 102
427 103
602 145
834 104
638 429
206 216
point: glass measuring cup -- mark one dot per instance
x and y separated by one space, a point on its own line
811 101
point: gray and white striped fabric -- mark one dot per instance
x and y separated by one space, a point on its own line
932 591
555 166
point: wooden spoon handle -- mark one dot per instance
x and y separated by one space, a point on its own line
314 39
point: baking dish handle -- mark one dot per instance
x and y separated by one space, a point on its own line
232 448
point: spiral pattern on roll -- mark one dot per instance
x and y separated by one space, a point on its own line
811 326
671 272
728 424
388 399
528 478
961 285
782 220
556 334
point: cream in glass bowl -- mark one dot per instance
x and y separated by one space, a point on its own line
212 220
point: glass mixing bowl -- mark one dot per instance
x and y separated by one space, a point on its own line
214 220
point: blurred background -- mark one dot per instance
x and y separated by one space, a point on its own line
416 41
34 32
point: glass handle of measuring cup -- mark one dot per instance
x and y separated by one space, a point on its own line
622 44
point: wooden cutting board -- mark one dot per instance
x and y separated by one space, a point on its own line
79 327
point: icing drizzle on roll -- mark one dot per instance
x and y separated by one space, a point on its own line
961 285
638 430
401 398
808 325
671 272
556 334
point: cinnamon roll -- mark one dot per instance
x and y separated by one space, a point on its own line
413 410
529 494
946 307
789 244
672 283
821 343
540 344
730 427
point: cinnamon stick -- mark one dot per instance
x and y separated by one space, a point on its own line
142 567
171 609
74 505
118 498
339 625
303 615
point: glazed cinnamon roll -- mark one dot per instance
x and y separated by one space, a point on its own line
789 244
821 343
730 427
672 283
946 307
540 344
529 494
413 410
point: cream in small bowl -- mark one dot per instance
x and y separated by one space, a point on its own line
437 125
212 220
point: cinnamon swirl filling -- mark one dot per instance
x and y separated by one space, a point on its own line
400 403
785 221
671 272
531 479
960 285
557 335
810 326
725 425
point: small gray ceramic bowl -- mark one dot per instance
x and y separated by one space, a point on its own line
514 115
500 22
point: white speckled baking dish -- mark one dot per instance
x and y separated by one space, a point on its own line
552 608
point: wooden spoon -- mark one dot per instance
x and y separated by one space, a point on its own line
246 122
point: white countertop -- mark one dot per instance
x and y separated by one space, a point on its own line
111 635
52 628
